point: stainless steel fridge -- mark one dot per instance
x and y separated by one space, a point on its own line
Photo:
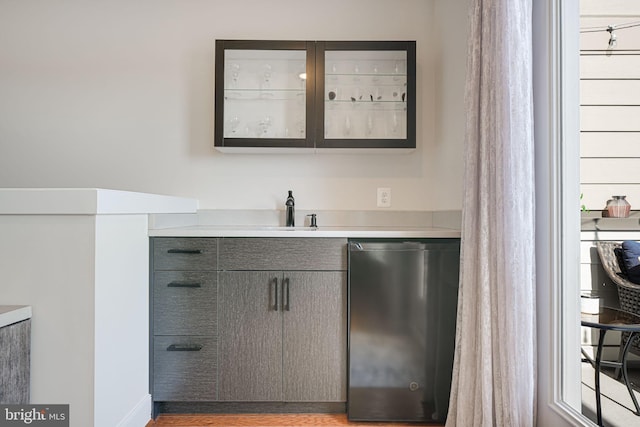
402 320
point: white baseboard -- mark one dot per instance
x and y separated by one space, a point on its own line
140 415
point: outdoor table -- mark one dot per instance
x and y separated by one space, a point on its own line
611 319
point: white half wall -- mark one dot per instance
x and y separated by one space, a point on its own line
121 320
119 94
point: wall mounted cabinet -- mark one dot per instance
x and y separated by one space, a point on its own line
308 95
262 94
366 95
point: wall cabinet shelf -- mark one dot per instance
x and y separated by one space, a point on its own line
315 95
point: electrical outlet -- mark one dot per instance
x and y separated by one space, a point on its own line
384 197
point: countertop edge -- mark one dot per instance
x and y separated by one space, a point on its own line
89 201
318 233
10 314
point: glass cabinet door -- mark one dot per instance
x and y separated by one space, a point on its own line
365 95
262 94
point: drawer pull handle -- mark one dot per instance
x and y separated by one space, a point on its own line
184 285
185 251
184 347
287 306
275 306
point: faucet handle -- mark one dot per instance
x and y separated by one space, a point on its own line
313 222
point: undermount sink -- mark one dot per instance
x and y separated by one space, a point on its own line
281 228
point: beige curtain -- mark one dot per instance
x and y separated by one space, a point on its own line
494 380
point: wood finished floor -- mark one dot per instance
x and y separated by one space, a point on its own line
264 420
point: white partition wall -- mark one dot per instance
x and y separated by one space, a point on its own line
86 275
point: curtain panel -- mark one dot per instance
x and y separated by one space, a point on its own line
494 379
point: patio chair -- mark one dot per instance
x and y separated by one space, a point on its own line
610 254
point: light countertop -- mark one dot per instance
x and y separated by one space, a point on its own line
10 314
339 224
88 201
266 231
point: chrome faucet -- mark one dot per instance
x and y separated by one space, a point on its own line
313 221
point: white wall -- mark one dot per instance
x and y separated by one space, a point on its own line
47 262
119 94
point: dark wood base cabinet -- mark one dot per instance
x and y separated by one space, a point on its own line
15 356
248 324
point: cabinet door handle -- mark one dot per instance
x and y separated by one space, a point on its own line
184 347
185 251
287 306
176 284
275 281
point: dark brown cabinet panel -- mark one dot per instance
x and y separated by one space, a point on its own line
249 320
250 337
185 253
184 302
283 254
184 368
183 295
15 356
315 336
283 336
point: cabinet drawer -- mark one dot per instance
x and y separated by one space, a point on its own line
185 253
184 302
283 254
184 368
